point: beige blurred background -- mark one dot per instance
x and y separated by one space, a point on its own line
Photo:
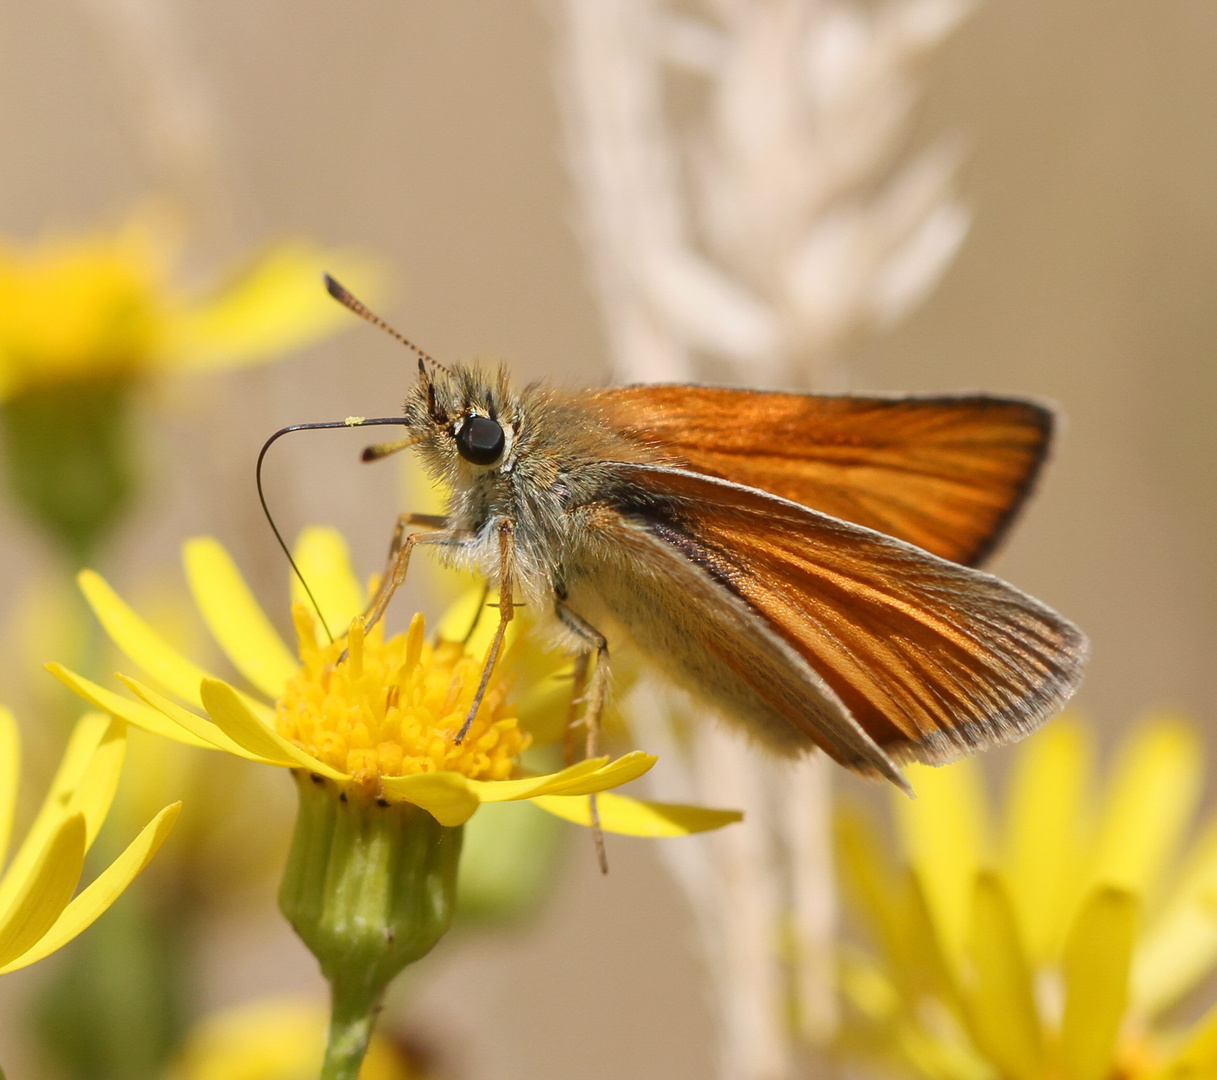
427 134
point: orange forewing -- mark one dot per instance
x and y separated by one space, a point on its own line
932 659
945 474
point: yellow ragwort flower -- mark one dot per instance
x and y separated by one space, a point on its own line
279 1038
1051 948
105 305
382 722
38 913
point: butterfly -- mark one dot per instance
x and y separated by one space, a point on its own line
804 563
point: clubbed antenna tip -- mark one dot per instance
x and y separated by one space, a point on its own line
335 290
347 300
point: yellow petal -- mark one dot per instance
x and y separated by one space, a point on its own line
46 891
925 958
1096 963
544 707
88 734
895 908
256 1040
1153 795
225 707
325 561
210 735
1001 1000
626 768
1046 833
866 986
281 1038
424 496
460 614
101 892
530 786
72 775
1179 949
80 307
1174 959
452 798
446 796
10 772
441 584
97 787
141 644
870 883
933 1050
544 685
1196 1059
277 306
632 817
935 1054
578 779
132 711
234 617
945 834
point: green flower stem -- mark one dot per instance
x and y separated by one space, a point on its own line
67 448
369 888
351 1022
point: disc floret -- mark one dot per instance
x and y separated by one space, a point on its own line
395 707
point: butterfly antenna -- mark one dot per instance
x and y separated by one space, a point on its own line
350 422
339 293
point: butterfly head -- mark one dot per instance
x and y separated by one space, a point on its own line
462 421
465 420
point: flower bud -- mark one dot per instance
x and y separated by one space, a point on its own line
369 887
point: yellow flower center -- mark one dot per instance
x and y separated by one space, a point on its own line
394 708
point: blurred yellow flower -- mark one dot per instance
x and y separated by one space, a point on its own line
86 320
275 1039
1048 949
383 722
94 307
38 913
203 865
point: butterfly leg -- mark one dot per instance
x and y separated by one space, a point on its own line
399 558
597 687
578 686
507 552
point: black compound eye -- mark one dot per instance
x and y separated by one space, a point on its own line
480 440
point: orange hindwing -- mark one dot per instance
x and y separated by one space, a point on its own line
930 658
